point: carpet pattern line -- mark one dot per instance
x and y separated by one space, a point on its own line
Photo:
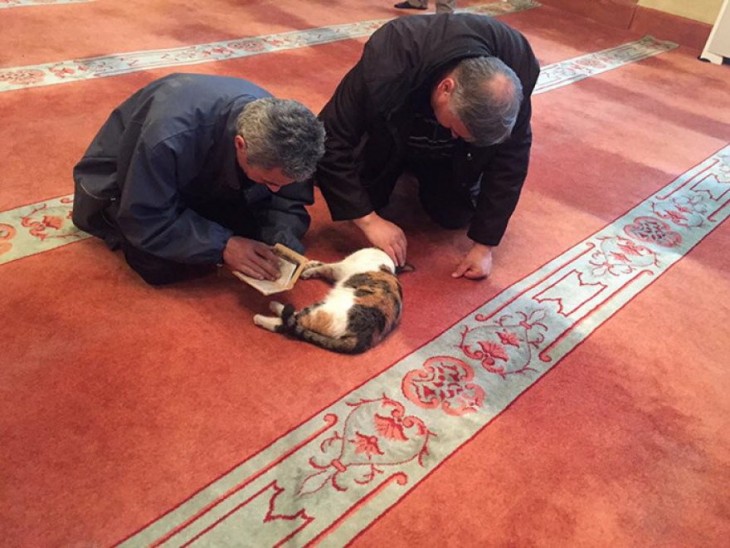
74 70
4 4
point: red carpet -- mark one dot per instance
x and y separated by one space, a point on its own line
120 401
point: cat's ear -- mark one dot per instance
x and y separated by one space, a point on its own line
405 268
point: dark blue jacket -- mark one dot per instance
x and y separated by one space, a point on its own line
166 156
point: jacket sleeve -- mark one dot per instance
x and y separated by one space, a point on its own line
345 119
502 181
504 175
283 218
152 215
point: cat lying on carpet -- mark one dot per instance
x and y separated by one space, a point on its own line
361 309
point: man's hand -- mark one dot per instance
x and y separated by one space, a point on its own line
386 235
253 258
476 264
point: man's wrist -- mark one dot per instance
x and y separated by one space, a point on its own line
366 220
483 247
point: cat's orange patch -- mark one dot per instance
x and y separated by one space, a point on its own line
319 321
385 295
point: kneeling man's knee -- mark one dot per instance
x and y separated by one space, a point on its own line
447 215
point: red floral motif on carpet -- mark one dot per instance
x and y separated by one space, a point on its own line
376 434
50 222
505 346
7 233
649 229
444 381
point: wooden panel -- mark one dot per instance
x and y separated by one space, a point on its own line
666 26
616 13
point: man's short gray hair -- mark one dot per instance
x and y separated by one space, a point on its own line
487 98
281 133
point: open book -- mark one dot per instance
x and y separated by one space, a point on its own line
291 265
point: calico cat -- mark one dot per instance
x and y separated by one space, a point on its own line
361 309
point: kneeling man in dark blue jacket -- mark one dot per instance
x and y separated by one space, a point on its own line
194 171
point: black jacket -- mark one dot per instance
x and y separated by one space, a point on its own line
164 158
377 97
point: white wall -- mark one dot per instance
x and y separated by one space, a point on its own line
704 11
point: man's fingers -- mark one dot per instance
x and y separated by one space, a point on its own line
459 272
397 252
400 254
263 250
474 274
392 253
259 270
264 262
269 270
401 249
252 272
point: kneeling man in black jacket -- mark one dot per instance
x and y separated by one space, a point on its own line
447 98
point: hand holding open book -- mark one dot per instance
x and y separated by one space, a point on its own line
291 265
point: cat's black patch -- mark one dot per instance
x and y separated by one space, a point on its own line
358 280
367 284
366 321
288 319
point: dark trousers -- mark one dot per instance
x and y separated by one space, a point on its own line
448 203
233 214
156 271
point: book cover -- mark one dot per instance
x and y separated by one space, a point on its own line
291 265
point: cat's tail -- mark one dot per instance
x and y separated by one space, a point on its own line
348 344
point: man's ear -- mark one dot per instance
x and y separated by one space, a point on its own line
447 85
240 143
444 90
241 151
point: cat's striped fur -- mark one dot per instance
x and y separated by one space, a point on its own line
361 309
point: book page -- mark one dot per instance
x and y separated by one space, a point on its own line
269 287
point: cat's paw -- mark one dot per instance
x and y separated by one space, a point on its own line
276 307
311 270
267 322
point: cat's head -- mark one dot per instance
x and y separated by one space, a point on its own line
388 265
370 259
393 268
373 258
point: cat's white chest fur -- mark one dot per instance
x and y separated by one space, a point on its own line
338 304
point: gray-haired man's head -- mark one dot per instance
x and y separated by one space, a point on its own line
486 98
281 134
